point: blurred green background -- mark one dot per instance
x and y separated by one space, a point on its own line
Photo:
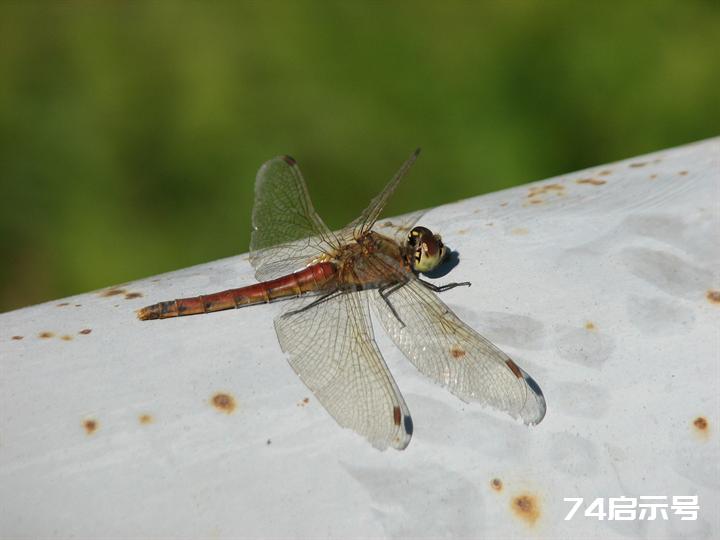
131 132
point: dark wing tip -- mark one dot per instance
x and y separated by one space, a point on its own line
289 160
408 423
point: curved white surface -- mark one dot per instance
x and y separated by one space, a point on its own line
599 283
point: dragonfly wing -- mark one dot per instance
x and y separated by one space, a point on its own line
368 218
332 349
448 351
287 232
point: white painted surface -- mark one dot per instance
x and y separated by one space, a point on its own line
634 256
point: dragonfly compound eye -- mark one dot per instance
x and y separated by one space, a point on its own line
417 234
429 251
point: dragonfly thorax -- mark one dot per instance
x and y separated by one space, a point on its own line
427 249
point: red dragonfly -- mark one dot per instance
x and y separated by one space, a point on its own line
331 280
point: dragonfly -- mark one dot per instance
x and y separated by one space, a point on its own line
331 281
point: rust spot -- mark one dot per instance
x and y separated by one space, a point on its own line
514 368
591 181
520 231
66 337
536 191
606 172
131 295
503 204
304 402
590 326
397 415
713 296
112 292
85 331
145 419
223 402
463 231
702 427
683 173
46 335
18 338
63 304
526 507
90 426
78 305
457 352
653 176
638 164
496 484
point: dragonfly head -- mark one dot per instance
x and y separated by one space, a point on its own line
428 251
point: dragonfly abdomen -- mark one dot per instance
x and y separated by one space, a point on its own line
312 278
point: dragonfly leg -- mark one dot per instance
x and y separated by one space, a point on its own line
385 291
314 303
443 288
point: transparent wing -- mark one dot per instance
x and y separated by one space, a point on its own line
332 349
287 232
396 228
445 349
368 218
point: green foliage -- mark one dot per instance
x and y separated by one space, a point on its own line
130 133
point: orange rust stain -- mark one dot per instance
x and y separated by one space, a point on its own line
520 231
496 484
713 296
112 292
590 326
397 415
85 331
223 402
514 368
591 181
653 176
132 295
145 419
683 173
536 191
90 426
526 507
638 164
304 402
606 172
702 427
463 231
457 352
18 338
46 335
63 304
66 337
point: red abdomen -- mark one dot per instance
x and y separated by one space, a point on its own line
313 278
